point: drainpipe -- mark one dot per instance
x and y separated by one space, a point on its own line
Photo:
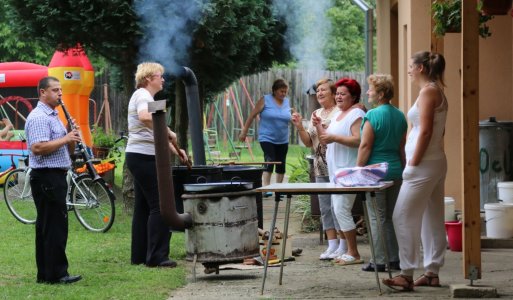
163 164
195 116
369 49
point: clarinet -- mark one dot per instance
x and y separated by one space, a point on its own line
81 147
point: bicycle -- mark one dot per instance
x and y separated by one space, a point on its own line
90 198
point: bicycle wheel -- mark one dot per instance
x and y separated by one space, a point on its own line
93 203
18 196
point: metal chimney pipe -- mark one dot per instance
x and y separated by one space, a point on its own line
195 116
163 163
369 31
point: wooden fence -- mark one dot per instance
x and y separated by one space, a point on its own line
231 108
226 114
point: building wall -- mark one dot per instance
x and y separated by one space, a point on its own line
413 23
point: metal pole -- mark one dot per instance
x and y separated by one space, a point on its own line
369 48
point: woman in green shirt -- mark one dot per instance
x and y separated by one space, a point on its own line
383 136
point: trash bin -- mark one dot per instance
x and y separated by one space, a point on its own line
495 157
198 174
251 174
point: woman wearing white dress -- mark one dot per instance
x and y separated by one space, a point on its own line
419 211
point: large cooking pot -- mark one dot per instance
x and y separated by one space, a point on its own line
222 186
198 174
224 227
248 173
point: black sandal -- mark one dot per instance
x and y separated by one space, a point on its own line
391 283
429 281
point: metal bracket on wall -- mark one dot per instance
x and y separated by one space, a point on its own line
472 274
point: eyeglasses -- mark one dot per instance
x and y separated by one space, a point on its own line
157 75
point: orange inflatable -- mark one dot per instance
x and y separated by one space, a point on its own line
67 67
83 100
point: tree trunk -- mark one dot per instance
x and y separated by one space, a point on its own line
128 190
128 180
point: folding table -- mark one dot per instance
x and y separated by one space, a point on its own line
290 189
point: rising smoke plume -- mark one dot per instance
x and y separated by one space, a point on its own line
308 29
168 26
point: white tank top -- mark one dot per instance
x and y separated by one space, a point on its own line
435 149
338 155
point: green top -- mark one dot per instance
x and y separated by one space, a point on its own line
389 126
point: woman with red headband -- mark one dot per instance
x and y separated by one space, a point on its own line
343 138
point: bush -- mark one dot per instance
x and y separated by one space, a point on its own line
101 138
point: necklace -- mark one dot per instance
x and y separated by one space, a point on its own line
326 112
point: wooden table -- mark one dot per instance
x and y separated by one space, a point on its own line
290 189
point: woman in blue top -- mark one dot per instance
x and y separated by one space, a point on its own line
383 136
273 129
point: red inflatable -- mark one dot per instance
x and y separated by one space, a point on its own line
21 74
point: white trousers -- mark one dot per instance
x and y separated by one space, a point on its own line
419 216
342 207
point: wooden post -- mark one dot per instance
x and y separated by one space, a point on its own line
470 129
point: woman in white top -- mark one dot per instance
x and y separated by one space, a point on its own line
150 234
325 90
419 212
343 138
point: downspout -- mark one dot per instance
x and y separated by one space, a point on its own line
369 49
163 164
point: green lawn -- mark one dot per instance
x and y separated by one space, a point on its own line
103 259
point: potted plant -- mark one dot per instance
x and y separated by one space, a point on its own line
447 18
102 142
496 7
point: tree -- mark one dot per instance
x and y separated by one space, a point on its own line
233 38
14 48
346 51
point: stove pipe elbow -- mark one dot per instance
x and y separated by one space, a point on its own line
163 165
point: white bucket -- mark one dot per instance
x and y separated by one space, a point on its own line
505 191
449 209
499 220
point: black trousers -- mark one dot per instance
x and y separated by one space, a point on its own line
49 189
150 234
275 152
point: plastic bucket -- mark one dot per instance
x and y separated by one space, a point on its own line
505 191
449 209
499 220
454 235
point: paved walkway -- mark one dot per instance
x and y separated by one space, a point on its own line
309 278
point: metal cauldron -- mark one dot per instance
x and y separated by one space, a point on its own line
224 227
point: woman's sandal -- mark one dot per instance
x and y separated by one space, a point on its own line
407 285
427 280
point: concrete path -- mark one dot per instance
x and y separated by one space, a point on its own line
309 278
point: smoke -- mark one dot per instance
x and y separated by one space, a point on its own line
308 30
168 27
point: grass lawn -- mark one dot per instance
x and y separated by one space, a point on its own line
103 259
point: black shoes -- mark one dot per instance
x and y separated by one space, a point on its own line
63 280
168 264
394 266
165 264
370 267
69 279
